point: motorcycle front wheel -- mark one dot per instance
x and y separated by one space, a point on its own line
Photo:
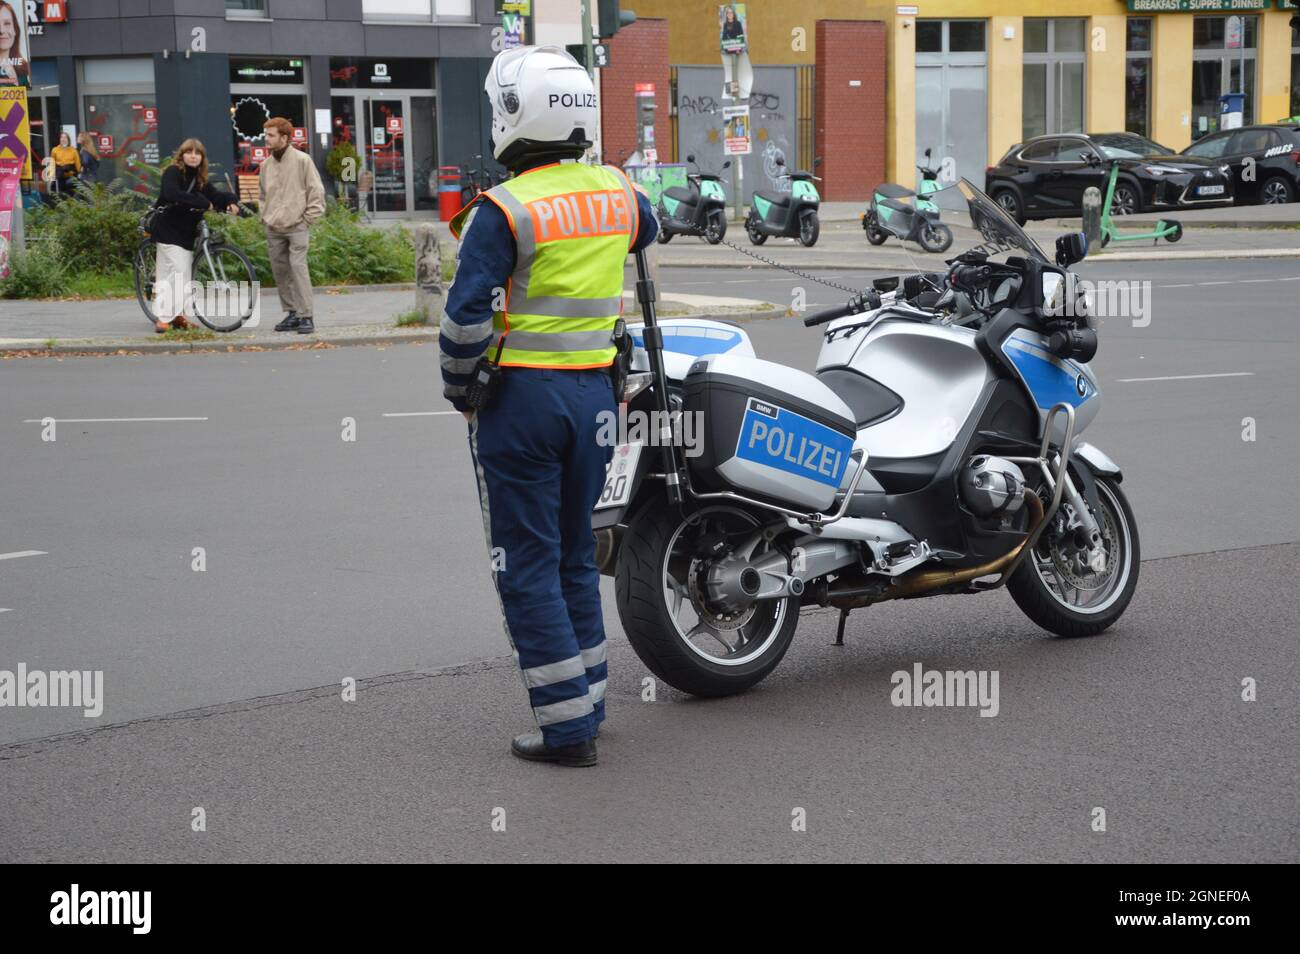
1055 590
682 637
716 228
936 238
809 228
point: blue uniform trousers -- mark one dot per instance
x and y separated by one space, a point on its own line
540 471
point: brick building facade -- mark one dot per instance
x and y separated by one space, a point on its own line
850 107
638 54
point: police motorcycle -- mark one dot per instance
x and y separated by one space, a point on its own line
936 449
700 209
918 221
788 216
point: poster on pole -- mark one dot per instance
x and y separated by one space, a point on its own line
735 131
733 30
512 30
731 24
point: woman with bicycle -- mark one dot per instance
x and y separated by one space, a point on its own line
185 195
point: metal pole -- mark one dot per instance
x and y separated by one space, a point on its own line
654 345
588 54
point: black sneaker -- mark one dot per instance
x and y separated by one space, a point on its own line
289 323
305 326
531 747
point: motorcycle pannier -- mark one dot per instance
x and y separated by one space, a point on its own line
766 430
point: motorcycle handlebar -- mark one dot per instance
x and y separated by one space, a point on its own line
867 301
971 276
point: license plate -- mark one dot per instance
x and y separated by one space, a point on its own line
1209 190
619 475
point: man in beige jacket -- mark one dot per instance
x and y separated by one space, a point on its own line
292 199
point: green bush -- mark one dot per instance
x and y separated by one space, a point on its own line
342 250
97 234
35 273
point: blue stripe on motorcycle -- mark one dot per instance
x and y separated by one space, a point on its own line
1050 380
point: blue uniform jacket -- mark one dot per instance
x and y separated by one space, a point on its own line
487 259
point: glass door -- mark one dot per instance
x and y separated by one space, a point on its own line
386 147
423 145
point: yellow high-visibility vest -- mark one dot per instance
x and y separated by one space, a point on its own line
573 225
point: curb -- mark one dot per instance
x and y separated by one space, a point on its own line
131 346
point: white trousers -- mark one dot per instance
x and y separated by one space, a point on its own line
174 267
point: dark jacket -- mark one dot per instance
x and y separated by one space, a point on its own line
89 166
182 203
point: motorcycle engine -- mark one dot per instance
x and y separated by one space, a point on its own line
992 486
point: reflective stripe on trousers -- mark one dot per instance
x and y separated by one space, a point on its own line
539 472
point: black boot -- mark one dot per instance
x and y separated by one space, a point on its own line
305 325
531 747
289 323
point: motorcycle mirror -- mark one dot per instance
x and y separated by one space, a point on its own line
1070 248
690 157
727 164
927 154
817 162
780 160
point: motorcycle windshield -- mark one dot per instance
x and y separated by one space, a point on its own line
1000 232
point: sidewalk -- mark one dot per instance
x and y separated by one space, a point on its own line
348 316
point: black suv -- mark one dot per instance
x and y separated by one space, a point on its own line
1046 176
1265 160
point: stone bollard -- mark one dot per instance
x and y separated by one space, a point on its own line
429 293
1092 215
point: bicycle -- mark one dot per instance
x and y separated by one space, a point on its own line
221 270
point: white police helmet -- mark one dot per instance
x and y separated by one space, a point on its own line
543 102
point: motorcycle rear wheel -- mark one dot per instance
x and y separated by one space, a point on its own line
664 608
756 235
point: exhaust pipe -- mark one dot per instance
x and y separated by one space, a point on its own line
927 580
608 540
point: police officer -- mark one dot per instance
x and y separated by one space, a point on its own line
527 347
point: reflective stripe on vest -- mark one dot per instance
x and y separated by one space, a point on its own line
573 226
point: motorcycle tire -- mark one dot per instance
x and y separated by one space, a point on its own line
664 236
716 229
654 631
875 236
809 228
1052 611
756 235
936 238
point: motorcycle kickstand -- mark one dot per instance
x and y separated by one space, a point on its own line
839 630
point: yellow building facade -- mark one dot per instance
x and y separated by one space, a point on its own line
1040 66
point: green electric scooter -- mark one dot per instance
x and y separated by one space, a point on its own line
1169 230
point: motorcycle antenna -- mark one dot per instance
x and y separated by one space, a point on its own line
654 347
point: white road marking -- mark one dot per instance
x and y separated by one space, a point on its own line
1255 281
1190 377
3 610
21 553
420 413
1215 283
108 420
1188 285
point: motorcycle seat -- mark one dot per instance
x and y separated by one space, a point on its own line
774 198
891 190
681 194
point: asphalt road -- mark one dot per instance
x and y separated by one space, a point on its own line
328 558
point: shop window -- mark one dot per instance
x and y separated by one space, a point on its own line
1054 76
125 127
1137 77
422 10
249 111
1295 71
1223 61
